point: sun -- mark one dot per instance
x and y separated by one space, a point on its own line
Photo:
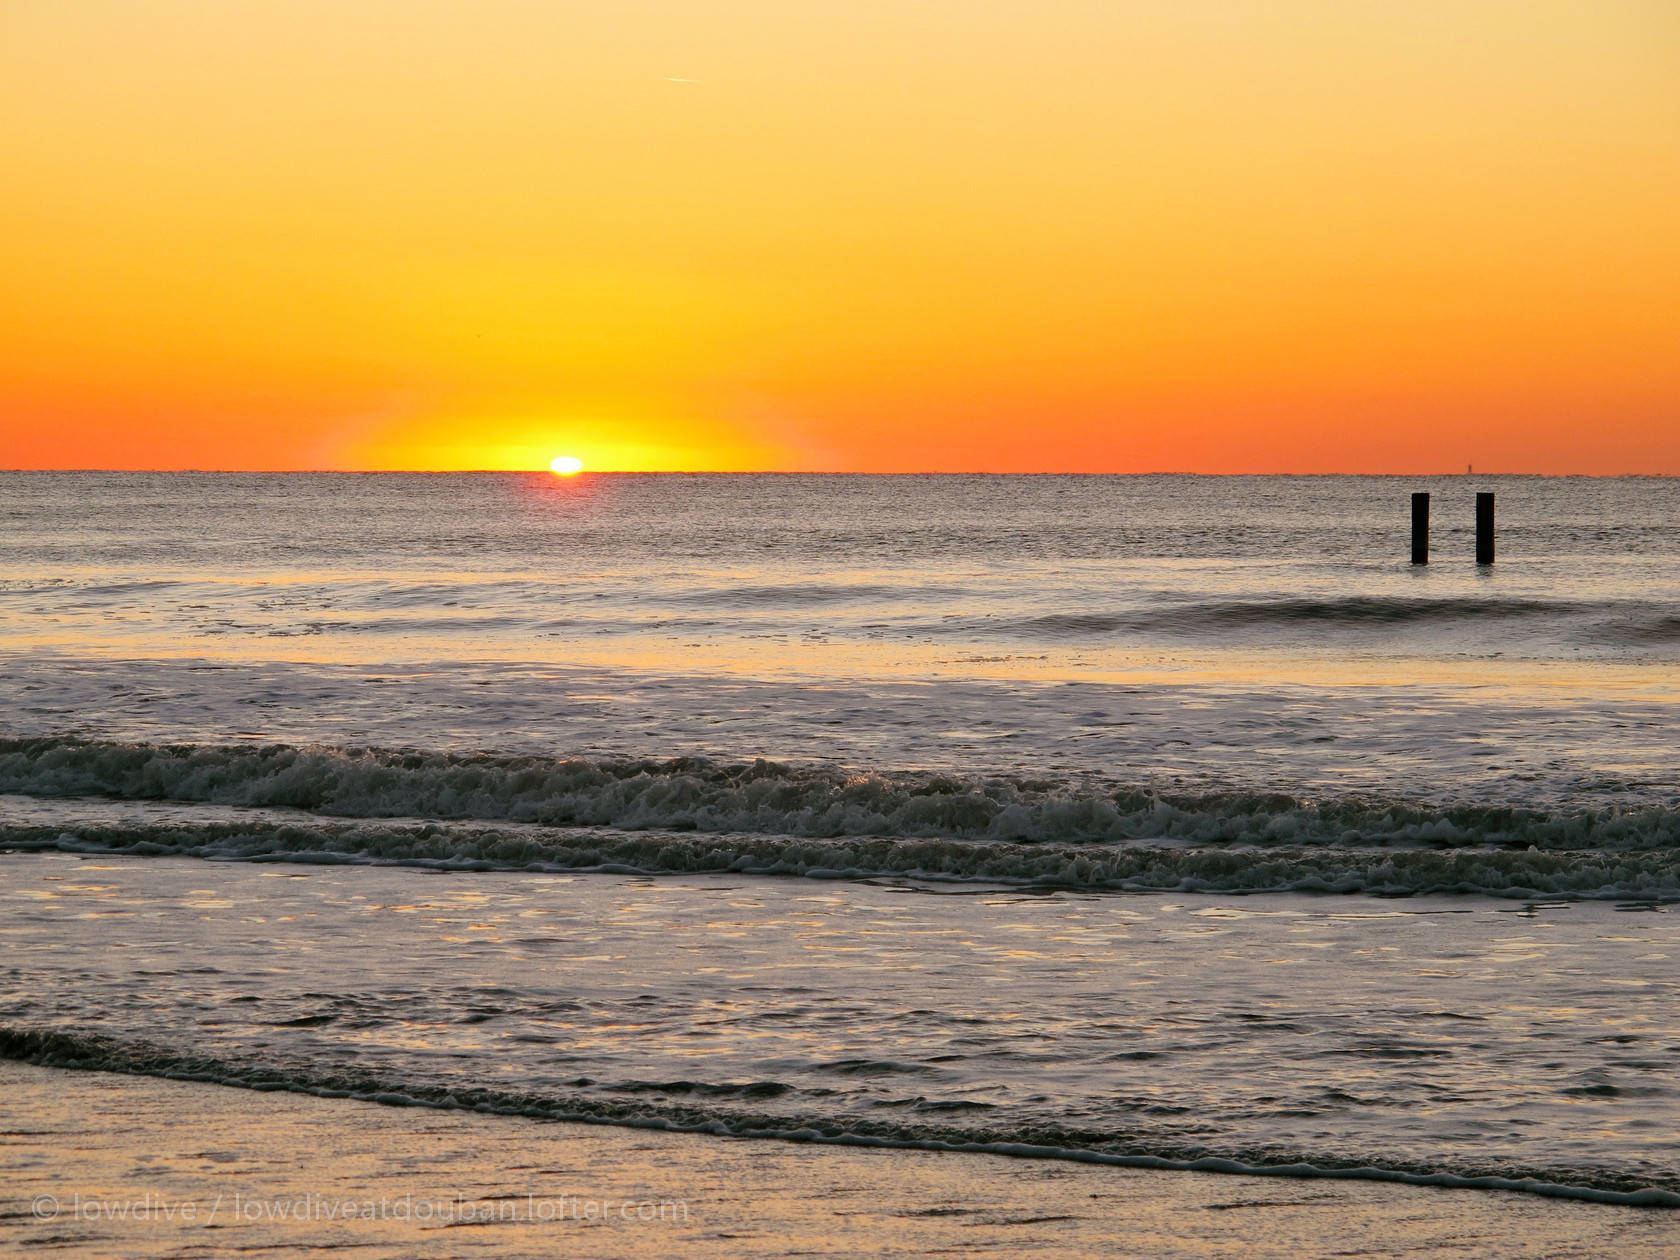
566 465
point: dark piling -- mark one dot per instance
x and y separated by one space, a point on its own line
1420 527
1484 527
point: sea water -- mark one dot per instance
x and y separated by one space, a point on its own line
1110 785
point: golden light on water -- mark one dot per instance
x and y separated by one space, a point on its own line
565 465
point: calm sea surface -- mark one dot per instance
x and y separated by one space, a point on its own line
1109 782
829 577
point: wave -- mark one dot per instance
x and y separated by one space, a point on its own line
78 1050
767 798
1630 875
1361 610
811 594
1355 611
1614 623
1638 631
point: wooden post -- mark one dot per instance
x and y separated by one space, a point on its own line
1484 527
1420 527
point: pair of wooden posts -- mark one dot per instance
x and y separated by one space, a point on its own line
1484 527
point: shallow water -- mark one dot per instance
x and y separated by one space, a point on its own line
1441 1036
985 713
296 1173
1266 631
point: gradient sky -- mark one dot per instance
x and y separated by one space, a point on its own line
895 235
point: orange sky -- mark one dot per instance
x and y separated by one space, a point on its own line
1101 235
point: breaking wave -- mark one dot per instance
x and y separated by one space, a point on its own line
691 815
1135 867
777 799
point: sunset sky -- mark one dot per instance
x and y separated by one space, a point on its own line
893 235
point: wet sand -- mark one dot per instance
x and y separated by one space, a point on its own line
100 1164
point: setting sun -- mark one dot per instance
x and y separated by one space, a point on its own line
566 465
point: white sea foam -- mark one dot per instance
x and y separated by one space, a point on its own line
1439 743
690 815
935 689
762 796
1523 875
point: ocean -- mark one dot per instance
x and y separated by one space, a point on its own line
1169 821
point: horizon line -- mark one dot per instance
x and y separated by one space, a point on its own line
789 472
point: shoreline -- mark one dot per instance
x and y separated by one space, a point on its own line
98 1141
56 1052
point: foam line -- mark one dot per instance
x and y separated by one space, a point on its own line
92 1052
772 798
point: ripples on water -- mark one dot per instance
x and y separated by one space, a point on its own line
1435 1038
1050 692
840 576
